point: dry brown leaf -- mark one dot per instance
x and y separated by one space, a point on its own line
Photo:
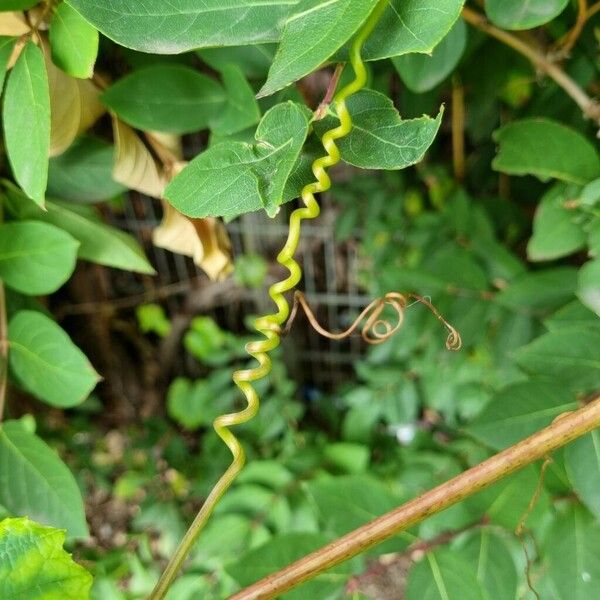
134 166
91 107
205 240
13 24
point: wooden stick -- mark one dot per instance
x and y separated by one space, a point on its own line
564 429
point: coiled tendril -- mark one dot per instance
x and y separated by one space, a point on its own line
270 325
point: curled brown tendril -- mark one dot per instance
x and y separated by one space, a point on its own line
375 330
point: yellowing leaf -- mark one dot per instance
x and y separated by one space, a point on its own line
205 240
91 107
134 165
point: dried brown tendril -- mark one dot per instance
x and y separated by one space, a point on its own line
375 330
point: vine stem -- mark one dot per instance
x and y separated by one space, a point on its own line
270 325
561 431
589 107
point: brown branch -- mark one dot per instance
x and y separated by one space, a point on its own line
566 43
458 129
589 107
560 432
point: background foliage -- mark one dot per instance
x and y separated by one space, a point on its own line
497 220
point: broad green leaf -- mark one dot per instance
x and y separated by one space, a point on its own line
574 315
422 72
519 410
241 109
590 194
588 285
556 232
98 242
546 149
582 461
35 566
345 503
517 14
444 575
74 42
412 26
170 98
36 258
172 27
36 483
46 362
314 32
232 178
572 356
493 563
84 172
379 138
281 551
541 290
254 61
17 4
571 547
26 119
6 48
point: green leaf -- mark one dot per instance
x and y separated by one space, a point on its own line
36 567
311 35
99 243
491 559
556 232
573 315
516 14
254 61
36 483
588 285
281 551
582 461
36 258
412 26
546 149
571 546
422 72
241 109
379 138
74 42
443 575
519 410
7 45
185 24
572 356
542 290
232 178
83 173
170 98
26 119
17 4
46 362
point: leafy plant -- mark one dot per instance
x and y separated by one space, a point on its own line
498 222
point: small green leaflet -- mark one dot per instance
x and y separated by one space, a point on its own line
422 72
6 47
546 149
588 285
582 461
444 575
46 362
519 410
517 14
571 547
232 178
412 26
380 138
26 118
254 61
36 258
170 98
177 26
557 231
83 173
241 109
17 4
311 35
74 42
35 566
36 483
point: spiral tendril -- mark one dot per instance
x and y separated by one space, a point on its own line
270 325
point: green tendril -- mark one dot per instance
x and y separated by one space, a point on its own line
270 325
